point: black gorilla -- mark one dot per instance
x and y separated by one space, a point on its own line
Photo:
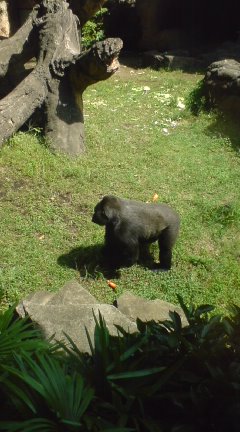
131 226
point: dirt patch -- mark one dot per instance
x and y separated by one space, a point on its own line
19 184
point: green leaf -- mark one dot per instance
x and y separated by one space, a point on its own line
186 311
135 374
18 335
21 394
203 309
47 377
33 425
128 353
175 317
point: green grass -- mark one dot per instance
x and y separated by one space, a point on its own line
139 142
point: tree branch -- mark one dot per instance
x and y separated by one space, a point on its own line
96 64
21 44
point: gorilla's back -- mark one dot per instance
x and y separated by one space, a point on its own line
148 218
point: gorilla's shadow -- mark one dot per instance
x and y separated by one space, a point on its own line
89 261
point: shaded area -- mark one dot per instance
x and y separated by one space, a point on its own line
139 23
226 126
89 261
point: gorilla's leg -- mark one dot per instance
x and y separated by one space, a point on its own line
129 253
145 256
166 242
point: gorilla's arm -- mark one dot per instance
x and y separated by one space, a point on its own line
121 246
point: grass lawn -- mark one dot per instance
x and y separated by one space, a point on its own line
140 141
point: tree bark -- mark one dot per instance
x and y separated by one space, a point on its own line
18 106
21 45
64 128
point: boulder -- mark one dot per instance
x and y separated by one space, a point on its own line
71 311
146 310
222 85
57 320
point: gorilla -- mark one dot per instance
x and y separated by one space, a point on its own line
130 226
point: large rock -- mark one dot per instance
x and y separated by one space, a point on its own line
71 311
75 319
222 85
146 310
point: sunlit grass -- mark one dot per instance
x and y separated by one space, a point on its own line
140 140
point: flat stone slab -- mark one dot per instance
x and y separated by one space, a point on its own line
73 293
147 310
39 297
57 319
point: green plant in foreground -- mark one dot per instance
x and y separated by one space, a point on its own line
165 378
18 335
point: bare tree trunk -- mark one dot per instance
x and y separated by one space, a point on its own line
64 125
65 131
60 76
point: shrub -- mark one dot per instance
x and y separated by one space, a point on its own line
93 30
196 101
164 378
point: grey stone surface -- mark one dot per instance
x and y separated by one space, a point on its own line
39 297
146 310
72 320
73 294
72 310
222 85
224 75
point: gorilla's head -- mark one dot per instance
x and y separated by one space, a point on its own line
106 211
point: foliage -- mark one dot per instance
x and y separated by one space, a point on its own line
93 30
165 378
197 100
18 335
